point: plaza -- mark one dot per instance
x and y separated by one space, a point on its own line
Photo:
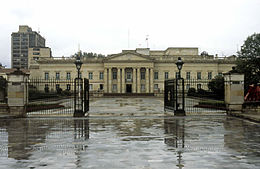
111 137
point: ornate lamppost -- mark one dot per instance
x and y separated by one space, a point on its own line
179 91
78 92
179 64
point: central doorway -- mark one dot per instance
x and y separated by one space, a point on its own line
128 88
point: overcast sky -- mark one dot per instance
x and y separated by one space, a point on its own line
109 26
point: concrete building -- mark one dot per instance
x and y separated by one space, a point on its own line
134 71
22 40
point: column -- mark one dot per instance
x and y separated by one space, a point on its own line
134 80
138 81
123 80
146 80
118 81
151 80
109 80
105 81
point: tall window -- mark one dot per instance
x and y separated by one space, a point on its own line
114 74
68 76
57 76
198 75
142 75
209 75
155 86
68 87
46 75
198 86
114 87
90 75
100 86
142 87
90 86
187 86
156 77
187 75
101 75
166 75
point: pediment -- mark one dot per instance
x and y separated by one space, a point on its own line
128 57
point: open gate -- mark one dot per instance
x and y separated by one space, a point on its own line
57 97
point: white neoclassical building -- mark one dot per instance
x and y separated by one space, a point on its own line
132 71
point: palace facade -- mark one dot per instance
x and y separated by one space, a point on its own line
133 71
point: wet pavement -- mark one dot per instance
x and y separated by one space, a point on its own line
144 141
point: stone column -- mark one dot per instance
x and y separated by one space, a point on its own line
17 93
118 81
110 80
147 80
105 81
134 80
234 91
123 80
151 80
138 81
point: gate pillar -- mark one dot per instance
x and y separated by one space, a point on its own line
234 91
17 93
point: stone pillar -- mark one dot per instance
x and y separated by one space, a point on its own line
118 81
151 80
234 91
17 93
110 80
147 80
134 80
138 80
123 80
105 81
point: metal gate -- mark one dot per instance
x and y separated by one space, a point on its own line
192 96
57 97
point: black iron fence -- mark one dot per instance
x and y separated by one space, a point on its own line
200 96
54 97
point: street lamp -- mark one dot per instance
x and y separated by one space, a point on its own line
179 64
78 64
179 91
78 95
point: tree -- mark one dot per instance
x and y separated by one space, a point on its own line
216 85
248 61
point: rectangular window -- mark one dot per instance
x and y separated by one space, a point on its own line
90 86
68 76
128 75
166 75
46 76
187 75
90 75
114 75
57 87
198 86
209 75
156 76
155 86
142 75
142 87
57 76
36 53
101 87
187 86
68 87
198 75
220 74
101 75
114 87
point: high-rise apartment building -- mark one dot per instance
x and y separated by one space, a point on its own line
22 40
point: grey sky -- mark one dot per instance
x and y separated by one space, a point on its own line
102 26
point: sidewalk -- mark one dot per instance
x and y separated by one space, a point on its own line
251 117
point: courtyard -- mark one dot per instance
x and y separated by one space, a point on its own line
130 133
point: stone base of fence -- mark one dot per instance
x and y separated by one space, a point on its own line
18 111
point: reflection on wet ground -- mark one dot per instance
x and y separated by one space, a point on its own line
124 142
